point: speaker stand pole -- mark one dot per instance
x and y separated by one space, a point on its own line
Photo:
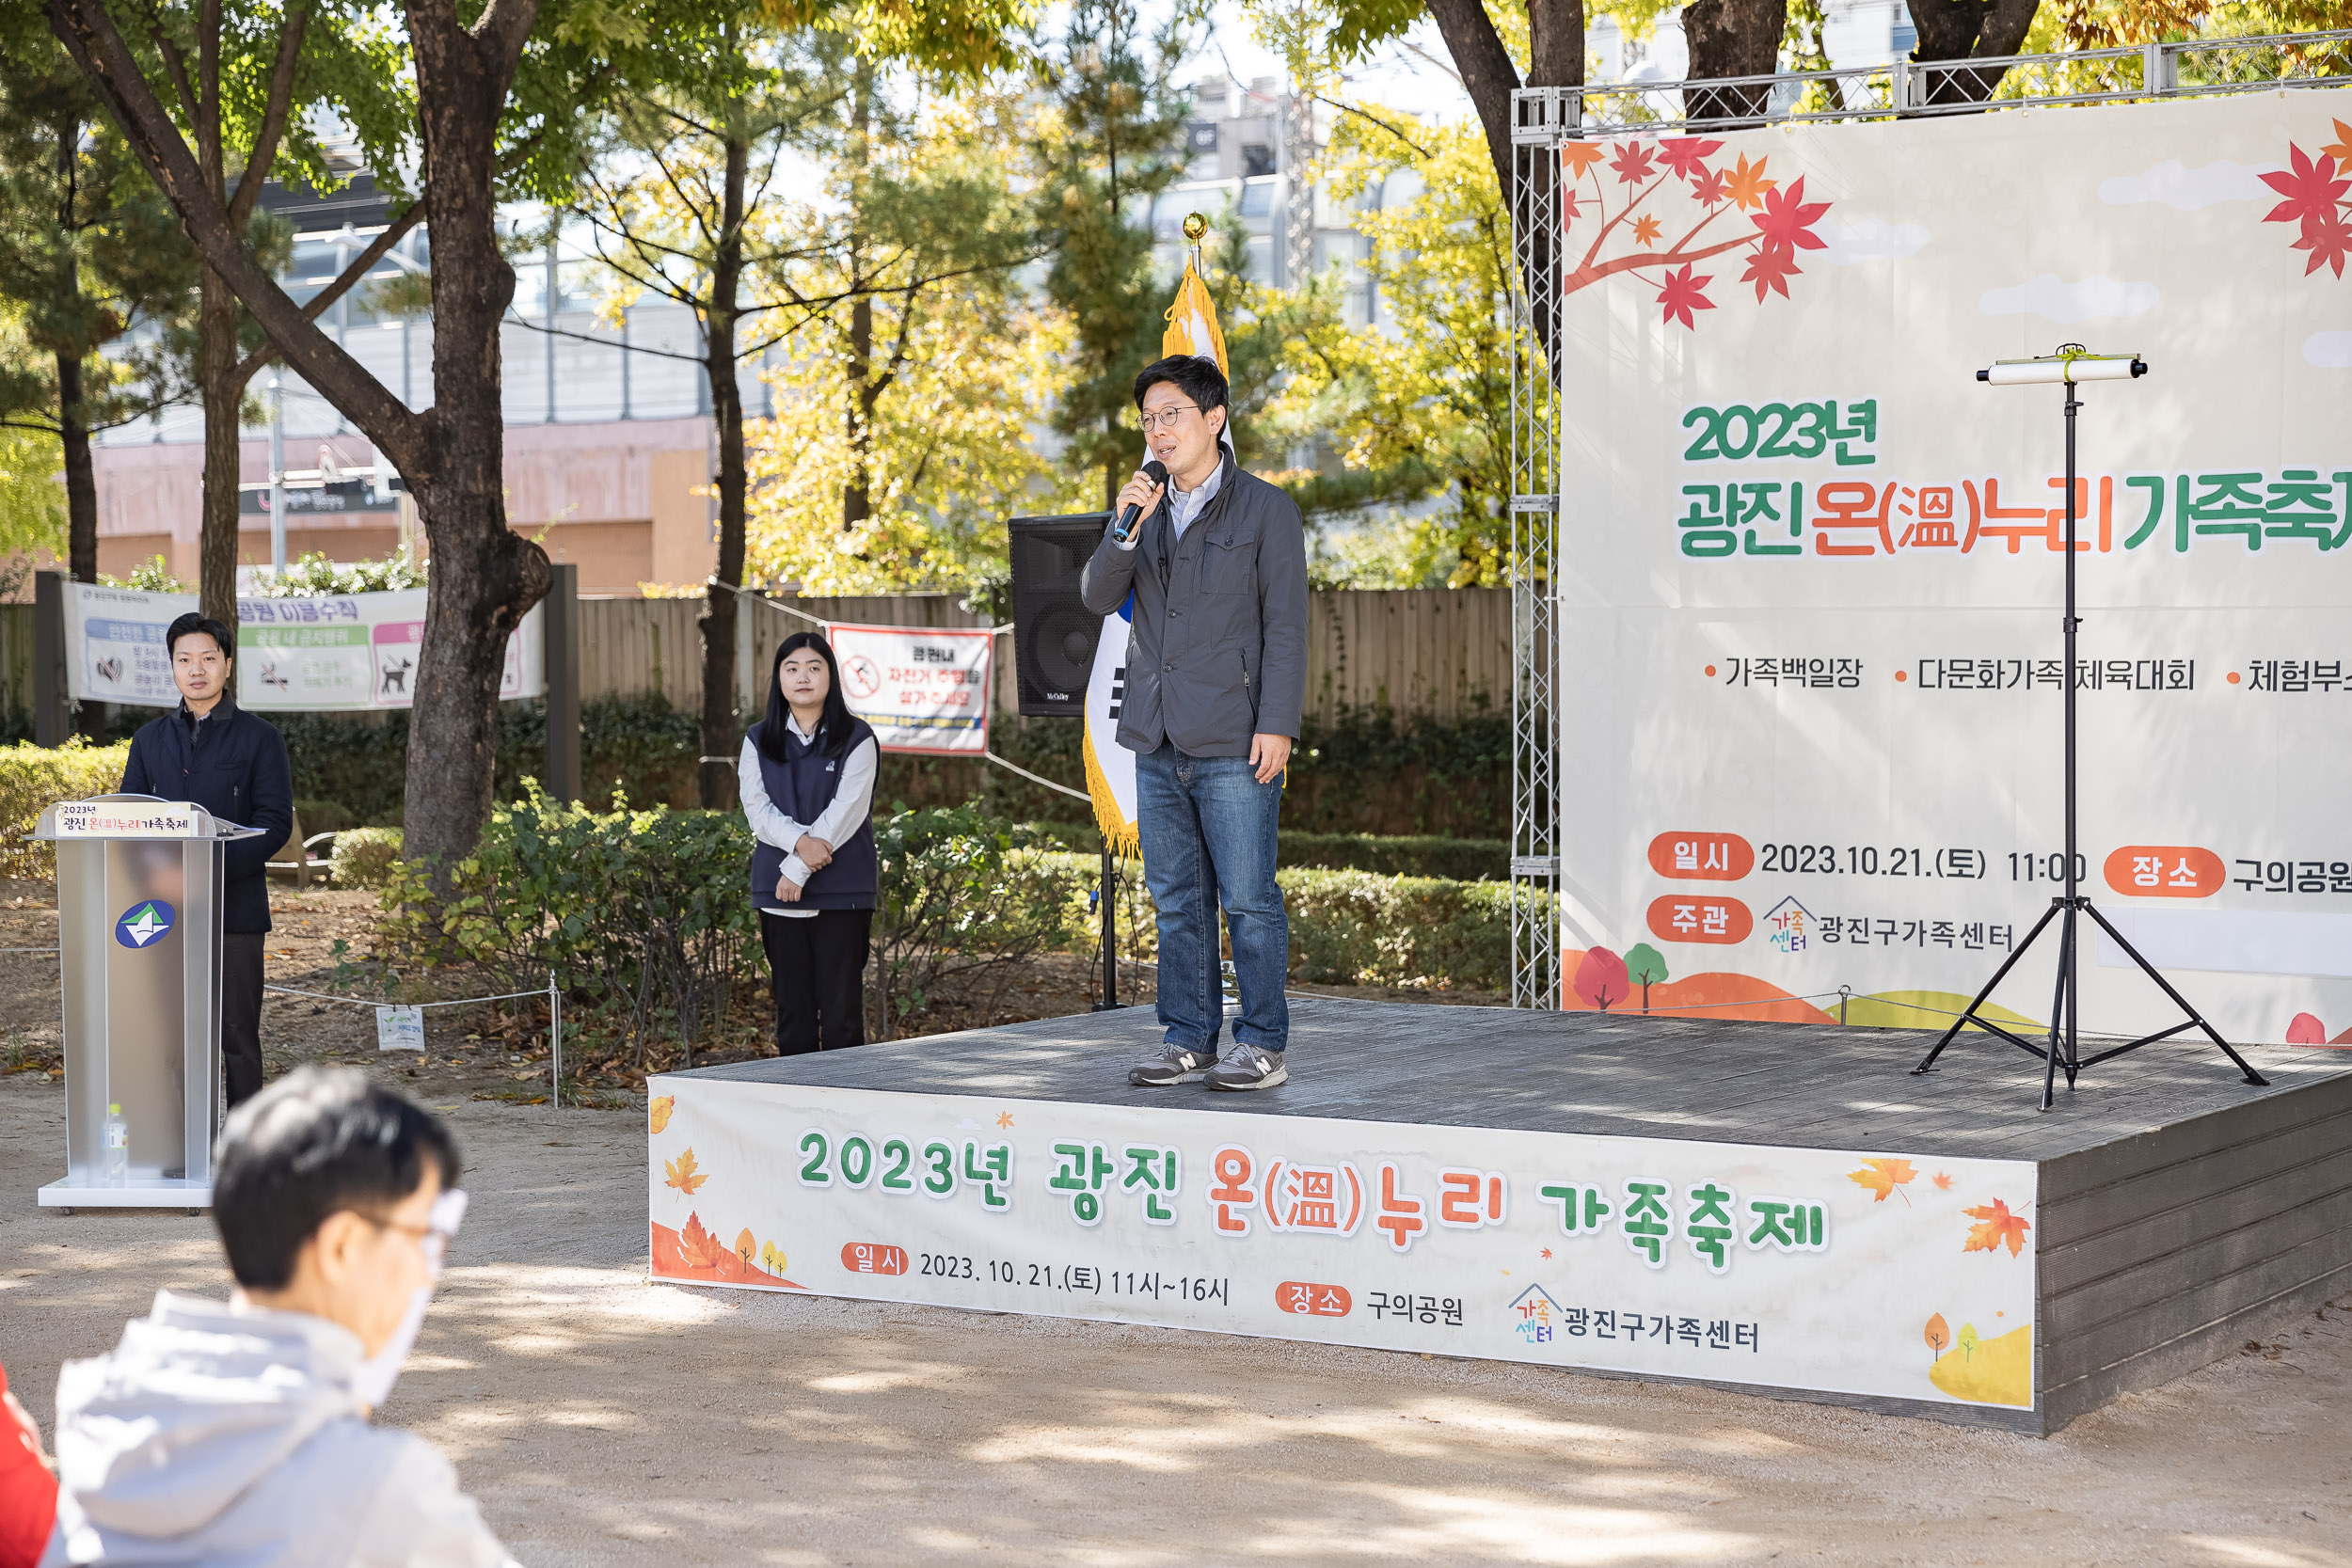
1110 936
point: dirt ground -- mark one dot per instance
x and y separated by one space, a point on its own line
601 1420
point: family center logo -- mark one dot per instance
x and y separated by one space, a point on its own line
142 923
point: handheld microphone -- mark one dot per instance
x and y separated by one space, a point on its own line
1156 471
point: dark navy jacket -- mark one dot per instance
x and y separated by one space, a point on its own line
234 766
801 789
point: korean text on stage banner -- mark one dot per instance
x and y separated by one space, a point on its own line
312 654
1811 568
923 689
1861 1272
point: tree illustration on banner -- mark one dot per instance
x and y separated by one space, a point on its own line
1628 206
1939 1335
2315 188
1645 966
1601 980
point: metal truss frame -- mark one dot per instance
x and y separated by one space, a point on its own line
1544 119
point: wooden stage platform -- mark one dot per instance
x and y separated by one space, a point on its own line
2170 1211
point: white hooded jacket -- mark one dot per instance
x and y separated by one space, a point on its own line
223 1435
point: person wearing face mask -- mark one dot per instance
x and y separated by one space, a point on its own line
240 1432
806 777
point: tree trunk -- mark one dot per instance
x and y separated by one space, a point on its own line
857 500
1733 37
222 390
485 577
1969 29
81 502
1557 36
81 476
717 777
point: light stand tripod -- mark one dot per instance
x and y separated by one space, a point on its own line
2070 365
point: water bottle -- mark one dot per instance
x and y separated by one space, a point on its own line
116 1142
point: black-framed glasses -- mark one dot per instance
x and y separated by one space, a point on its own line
1166 418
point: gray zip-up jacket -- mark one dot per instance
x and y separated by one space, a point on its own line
215 1435
1218 653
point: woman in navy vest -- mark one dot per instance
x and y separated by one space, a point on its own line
808 789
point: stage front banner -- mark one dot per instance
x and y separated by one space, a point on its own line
1811 568
1860 1272
923 689
297 655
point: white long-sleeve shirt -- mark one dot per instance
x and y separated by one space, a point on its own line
836 822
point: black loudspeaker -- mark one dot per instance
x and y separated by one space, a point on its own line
1053 633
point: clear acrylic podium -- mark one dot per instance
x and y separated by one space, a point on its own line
138 932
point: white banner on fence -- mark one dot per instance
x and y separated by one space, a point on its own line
1812 567
1850 1272
301 655
923 689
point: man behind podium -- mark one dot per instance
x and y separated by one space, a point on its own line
234 766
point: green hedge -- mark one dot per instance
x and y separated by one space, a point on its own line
1467 860
1354 927
32 779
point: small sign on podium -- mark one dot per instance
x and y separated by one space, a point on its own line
116 819
399 1028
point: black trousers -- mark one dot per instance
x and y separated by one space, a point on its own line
817 966
241 1013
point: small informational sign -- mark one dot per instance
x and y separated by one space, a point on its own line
399 1028
923 689
319 653
126 819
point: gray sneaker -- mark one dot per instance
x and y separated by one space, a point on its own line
1250 1066
1175 1064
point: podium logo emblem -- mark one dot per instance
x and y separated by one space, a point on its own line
142 923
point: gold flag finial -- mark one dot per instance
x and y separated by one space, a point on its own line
1195 226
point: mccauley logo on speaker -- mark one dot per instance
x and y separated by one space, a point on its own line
142 925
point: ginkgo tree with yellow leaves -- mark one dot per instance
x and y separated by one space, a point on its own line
918 369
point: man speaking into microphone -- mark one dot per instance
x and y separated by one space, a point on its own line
1217 682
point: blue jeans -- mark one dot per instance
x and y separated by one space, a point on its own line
1208 828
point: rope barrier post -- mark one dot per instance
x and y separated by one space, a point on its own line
555 1043
1843 993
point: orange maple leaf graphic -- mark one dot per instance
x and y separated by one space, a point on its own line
1883 1176
683 1176
1646 229
700 1248
1578 156
1999 1225
1943 1179
2340 149
661 1109
1746 186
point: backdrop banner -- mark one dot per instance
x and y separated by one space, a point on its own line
304 655
1811 569
923 689
1848 1272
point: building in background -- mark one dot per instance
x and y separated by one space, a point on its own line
607 446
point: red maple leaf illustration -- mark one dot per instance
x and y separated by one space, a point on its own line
1682 155
1571 208
1787 219
1709 189
1632 164
1769 266
2311 191
1683 294
2328 238
1646 229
